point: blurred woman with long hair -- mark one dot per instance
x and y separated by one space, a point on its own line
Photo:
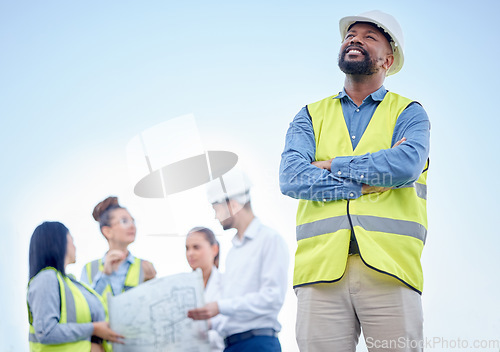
64 314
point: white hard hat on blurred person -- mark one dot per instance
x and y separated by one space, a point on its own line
386 23
235 185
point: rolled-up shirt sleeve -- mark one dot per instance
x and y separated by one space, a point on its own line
45 305
299 178
393 167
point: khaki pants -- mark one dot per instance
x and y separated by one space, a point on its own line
330 316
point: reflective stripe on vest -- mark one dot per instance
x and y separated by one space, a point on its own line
369 223
134 277
74 309
390 227
419 188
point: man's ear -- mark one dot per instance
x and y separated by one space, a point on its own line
234 206
389 60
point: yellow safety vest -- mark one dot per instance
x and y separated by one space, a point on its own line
74 309
135 275
389 227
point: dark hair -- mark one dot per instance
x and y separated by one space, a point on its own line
48 247
210 237
102 211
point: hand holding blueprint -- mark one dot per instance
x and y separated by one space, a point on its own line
153 316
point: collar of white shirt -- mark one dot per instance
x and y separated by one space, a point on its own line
251 232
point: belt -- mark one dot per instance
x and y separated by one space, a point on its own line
353 247
242 336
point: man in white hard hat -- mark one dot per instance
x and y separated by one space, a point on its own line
357 161
255 280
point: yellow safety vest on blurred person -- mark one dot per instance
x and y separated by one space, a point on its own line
389 227
74 309
135 275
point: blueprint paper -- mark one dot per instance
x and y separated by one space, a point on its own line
153 316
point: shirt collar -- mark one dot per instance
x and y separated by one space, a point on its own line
130 258
251 232
378 95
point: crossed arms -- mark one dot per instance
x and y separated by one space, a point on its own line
348 177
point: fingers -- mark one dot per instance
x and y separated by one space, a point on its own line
323 164
366 189
102 330
115 255
113 258
115 337
208 311
199 314
399 142
195 314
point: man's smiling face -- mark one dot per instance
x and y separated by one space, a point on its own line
364 51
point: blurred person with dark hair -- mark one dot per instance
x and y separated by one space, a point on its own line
118 270
64 314
202 251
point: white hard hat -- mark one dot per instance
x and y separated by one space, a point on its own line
388 24
234 184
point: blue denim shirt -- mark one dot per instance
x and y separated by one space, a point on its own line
393 167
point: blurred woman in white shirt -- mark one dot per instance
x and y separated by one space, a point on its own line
202 251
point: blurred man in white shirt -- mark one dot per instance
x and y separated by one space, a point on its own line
255 281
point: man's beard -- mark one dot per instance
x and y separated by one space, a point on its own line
227 223
366 67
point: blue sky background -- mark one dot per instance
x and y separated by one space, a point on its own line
79 79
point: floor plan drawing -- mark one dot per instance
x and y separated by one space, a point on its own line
153 316
169 315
